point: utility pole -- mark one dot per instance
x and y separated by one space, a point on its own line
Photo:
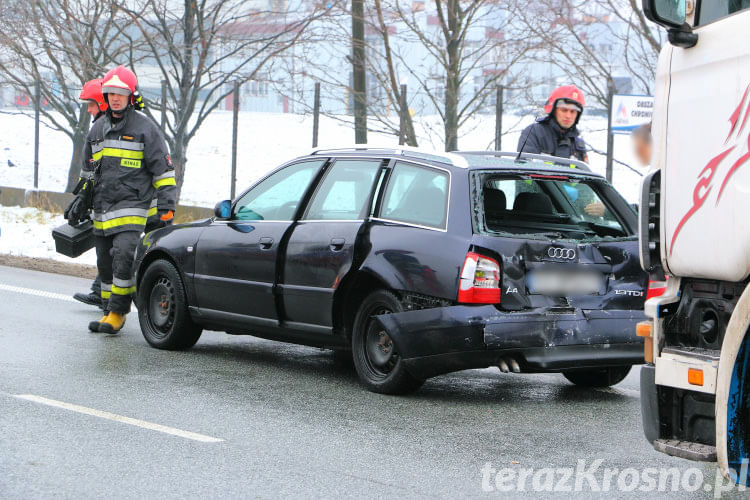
359 76
610 137
499 119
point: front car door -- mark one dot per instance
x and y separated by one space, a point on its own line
321 248
235 264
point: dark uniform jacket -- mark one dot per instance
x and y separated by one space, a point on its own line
130 166
546 137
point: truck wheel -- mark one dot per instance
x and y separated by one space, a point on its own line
163 310
598 377
378 365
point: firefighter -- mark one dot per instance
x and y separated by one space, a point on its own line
556 134
126 157
91 94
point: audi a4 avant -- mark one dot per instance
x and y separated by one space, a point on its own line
414 264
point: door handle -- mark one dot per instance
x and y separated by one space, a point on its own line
266 243
337 244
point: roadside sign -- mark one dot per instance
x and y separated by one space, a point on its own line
630 111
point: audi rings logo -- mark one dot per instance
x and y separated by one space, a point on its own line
561 253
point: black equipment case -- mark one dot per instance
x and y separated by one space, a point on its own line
72 241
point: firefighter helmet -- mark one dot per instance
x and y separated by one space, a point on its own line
119 81
568 93
92 91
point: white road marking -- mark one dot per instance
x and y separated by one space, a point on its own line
38 293
119 418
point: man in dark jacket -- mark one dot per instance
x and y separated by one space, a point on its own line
126 157
556 133
91 94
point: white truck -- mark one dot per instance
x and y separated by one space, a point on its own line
695 229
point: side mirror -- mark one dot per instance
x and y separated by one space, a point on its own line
223 209
672 15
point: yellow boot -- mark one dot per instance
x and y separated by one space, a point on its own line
113 323
94 325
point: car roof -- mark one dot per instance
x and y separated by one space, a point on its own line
473 160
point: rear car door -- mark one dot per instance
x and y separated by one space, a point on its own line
235 264
321 247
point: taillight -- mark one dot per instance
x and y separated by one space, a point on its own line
656 288
480 280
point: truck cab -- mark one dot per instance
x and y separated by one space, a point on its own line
695 237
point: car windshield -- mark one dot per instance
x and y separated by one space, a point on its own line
546 206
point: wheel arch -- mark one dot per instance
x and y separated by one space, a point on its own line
353 289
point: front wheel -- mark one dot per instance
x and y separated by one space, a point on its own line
163 310
598 377
378 364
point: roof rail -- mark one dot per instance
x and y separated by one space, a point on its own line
406 151
566 162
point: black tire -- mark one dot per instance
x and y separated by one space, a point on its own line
598 377
163 309
378 364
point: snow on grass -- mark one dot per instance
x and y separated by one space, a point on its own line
267 140
27 232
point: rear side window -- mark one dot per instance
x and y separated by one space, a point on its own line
345 192
546 207
416 195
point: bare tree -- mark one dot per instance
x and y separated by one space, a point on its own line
59 44
591 43
201 47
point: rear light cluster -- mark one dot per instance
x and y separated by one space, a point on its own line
656 288
480 280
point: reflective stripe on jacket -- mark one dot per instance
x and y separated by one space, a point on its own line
130 165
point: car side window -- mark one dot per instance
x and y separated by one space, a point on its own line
416 195
345 191
277 196
711 10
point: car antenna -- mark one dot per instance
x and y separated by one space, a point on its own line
520 150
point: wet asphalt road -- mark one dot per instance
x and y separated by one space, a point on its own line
292 422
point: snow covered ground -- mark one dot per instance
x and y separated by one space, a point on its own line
27 232
266 140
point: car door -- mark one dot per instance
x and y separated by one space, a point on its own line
235 263
321 247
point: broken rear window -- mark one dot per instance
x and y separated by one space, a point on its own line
545 206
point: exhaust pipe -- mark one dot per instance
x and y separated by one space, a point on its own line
514 366
503 366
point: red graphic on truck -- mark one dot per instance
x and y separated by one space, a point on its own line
703 187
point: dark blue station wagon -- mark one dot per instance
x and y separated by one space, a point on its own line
414 264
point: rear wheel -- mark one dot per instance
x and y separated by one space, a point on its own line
378 364
163 310
598 377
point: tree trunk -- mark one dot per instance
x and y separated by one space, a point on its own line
359 73
452 79
178 154
79 141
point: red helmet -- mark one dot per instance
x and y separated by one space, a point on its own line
119 81
92 91
567 92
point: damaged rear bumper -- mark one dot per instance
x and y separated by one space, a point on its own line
447 339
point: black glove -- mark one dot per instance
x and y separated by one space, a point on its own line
77 210
163 218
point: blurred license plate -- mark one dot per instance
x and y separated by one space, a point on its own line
563 283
